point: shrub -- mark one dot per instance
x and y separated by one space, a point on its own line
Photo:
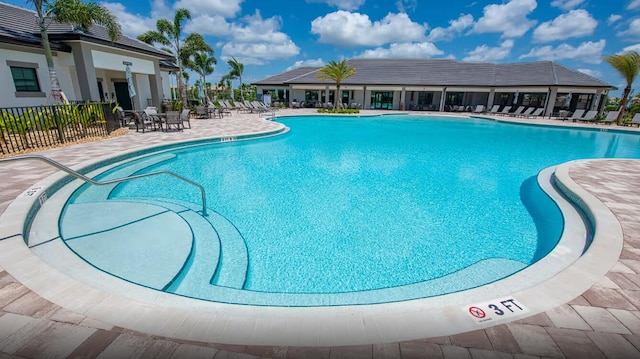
341 111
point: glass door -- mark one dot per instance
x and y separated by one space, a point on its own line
382 100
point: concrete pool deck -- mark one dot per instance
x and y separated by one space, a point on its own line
603 322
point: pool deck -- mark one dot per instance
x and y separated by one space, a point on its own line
604 322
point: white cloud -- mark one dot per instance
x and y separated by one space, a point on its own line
633 30
485 53
455 27
592 73
224 8
510 19
404 5
634 4
254 40
588 52
208 25
313 62
613 19
342 28
403 50
635 48
566 4
132 24
575 23
341 4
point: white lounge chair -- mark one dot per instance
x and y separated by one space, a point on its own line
635 120
576 115
612 116
479 109
537 112
590 116
518 111
527 112
505 110
494 109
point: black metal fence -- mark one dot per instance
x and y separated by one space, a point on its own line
24 128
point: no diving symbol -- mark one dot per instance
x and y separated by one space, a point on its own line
477 312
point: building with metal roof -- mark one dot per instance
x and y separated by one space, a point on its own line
442 85
88 65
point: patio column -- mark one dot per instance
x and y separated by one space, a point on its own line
86 71
551 101
443 99
492 97
403 96
155 84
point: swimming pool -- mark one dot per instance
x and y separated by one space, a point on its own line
360 211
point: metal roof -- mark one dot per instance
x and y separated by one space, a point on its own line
19 25
445 72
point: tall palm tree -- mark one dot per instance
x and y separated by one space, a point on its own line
336 71
202 62
236 73
628 65
70 12
169 34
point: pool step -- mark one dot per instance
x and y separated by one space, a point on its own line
233 262
129 240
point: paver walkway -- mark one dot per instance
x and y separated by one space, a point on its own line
604 322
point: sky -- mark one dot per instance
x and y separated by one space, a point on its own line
270 37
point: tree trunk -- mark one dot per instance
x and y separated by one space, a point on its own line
337 98
241 96
623 103
56 91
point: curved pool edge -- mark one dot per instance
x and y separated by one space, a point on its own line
158 313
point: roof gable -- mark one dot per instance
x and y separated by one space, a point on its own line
20 25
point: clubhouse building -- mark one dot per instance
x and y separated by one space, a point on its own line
442 85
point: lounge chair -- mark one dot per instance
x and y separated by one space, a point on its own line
173 120
576 115
505 111
202 112
635 120
537 112
517 112
527 112
612 116
479 109
494 109
590 116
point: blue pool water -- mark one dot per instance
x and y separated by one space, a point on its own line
350 205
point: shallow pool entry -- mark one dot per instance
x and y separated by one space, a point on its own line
339 211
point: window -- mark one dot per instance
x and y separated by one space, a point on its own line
25 79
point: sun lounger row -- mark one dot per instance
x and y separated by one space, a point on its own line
521 111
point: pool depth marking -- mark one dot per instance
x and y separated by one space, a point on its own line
497 309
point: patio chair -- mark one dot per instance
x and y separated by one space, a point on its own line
185 116
151 114
479 109
612 116
576 115
173 120
635 120
142 122
202 112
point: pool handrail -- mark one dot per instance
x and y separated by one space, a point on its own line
108 182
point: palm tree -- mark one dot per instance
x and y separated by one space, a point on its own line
202 62
170 34
336 71
236 73
70 12
628 65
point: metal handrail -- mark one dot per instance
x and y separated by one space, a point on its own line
103 183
